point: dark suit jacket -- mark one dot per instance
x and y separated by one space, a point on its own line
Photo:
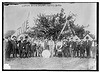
88 44
9 46
76 46
20 45
26 45
14 43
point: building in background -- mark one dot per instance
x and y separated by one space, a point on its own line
91 37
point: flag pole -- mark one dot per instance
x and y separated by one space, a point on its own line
62 29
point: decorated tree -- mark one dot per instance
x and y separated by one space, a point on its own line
49 25
57 26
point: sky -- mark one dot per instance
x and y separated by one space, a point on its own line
15 15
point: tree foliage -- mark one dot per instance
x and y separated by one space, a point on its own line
51 25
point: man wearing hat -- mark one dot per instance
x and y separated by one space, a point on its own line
20 47
88 44
71 47
66 48
27 47
59 44
82 49
76 48
8 48
15 47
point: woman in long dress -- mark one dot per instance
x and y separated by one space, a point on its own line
51 46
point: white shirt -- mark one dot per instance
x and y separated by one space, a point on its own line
93 43
59 43
51 43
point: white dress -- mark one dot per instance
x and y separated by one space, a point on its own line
51 46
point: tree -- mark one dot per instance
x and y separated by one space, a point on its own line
51 25
80 31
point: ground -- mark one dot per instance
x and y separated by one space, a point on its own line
54 63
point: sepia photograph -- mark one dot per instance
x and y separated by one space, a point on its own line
52 36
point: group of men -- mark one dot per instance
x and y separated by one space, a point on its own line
77 48
59 48
14 47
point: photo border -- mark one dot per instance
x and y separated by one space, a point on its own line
15 3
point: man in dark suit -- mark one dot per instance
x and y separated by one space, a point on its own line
27 47
88 44
82 49
20 47
65 48
15 47
78 48
74 49
33 50
72 45
8 48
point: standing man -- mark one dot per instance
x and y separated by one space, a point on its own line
75 50
46 44
33 49
93 49
71 47
20 47
9 48
59 48
68 48
88 46
36 41
51 46
65 47
27 46
15 47
82 49
42 43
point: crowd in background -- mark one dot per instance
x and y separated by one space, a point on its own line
25 48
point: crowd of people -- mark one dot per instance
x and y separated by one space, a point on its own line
25 48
